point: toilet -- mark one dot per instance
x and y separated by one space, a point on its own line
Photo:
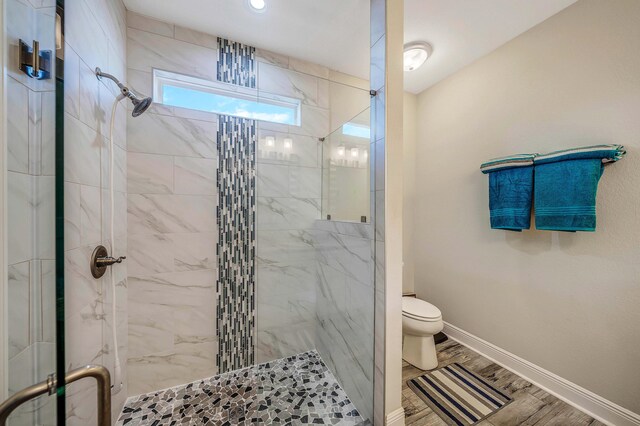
420 322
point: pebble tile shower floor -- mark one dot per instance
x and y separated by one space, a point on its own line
298 390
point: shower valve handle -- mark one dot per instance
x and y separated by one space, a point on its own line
100 259
108 260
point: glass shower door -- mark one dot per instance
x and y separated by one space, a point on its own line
29 190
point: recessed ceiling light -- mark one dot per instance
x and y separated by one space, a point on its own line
415 54
257 5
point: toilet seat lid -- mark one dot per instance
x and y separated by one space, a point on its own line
419 309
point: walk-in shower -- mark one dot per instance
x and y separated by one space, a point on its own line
236 295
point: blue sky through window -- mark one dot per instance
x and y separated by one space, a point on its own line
228 105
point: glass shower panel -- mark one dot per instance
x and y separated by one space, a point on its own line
305 278
30 191
288 193
346 171
344 248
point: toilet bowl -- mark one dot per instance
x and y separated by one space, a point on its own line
420 322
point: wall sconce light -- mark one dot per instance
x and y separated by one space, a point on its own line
270 141
288 144
341 151
355 152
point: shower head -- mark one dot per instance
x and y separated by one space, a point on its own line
139 105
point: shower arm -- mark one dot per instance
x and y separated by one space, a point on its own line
140 104
123 89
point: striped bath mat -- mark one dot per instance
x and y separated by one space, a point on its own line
457 395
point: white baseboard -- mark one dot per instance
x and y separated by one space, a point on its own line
395 418
596 406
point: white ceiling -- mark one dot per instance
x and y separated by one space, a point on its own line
462 31
335 33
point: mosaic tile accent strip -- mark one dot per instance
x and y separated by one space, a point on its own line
236 309
236 63
236 212
296 390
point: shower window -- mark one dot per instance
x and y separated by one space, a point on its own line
183 91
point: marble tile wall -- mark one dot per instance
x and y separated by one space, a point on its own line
30 190
95 35
345 306
172 201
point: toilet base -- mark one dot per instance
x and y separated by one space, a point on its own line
420 352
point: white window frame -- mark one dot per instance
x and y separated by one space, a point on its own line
162 78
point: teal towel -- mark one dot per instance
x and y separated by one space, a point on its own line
566 183
510 194
510 191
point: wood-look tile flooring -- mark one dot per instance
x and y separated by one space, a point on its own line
530 406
